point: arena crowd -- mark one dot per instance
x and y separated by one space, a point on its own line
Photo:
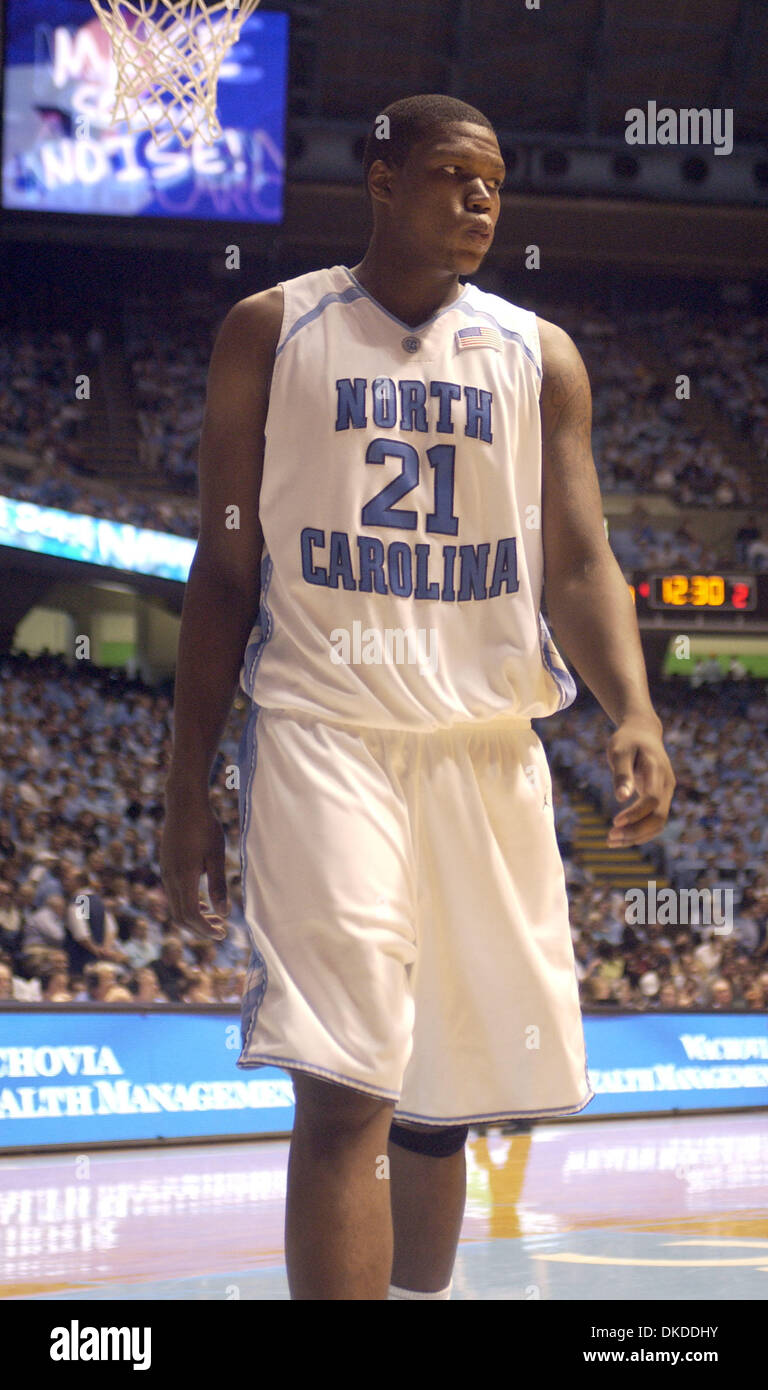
81 812
645 440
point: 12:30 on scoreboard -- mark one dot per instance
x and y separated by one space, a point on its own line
715 593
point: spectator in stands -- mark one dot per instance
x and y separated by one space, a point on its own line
146 987
157 910
736 670
663 478
237 985
755 997
116 900
721 994
748 531
220 984
141 948
26 980
47 925
204 954
599 993
55 984
707 671
609 963
7 839
198 989
10 920
235 948
649 985
118 994
98 979
709 953
171 972
92 929
584 952
735 968
757 552
6 980
138 893
622 993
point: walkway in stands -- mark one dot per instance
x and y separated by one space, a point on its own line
621 868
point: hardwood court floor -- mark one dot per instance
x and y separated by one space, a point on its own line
662 1209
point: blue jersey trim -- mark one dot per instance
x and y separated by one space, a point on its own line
486 1117
255 650
256 980
264 1060
407 326
562 678
334 297
511 336
497 1115
358 291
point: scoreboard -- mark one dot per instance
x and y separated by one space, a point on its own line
709 599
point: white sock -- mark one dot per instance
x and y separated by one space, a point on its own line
395 1293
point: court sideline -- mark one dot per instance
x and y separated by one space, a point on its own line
664 1209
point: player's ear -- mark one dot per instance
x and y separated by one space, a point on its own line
380 182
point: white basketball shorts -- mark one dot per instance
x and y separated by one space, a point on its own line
407 908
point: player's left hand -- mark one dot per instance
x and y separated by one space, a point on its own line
639 763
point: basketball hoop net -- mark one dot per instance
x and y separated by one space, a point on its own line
168 55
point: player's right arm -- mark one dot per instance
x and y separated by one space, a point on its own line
221 599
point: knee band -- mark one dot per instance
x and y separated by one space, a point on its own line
437 1143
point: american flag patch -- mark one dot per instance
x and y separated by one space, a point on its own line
479 335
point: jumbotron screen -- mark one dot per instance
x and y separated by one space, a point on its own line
61 152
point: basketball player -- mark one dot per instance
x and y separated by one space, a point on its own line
403 459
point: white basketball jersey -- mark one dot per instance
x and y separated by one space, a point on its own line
401 512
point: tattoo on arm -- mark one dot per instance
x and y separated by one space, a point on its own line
566 402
